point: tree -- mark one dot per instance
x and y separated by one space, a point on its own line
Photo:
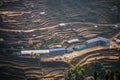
107 75
75 73
32 54
117 74
67 60
37 46
95 75
112 75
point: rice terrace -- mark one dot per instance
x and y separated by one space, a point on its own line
59 39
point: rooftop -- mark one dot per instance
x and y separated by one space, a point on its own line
73 40
116 26
80 46
95 26
97 39
35 51
57 49
42 13
117 40
69 49
62 24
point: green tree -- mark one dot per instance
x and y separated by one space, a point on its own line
107 75
75 72
95 75
32 54
112 75
37 46
117 74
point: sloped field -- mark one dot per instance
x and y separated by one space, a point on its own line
23 24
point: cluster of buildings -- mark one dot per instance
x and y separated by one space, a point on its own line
99 41
45 52
94 42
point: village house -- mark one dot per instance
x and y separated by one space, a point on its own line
99 41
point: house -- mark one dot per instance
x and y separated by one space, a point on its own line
73 41
99 41
61 24
42 13
57 51
44 52
69 50
41 52
80 47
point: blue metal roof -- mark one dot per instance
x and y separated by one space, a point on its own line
93 40
97 39
69 49
104 39
57 49
82 46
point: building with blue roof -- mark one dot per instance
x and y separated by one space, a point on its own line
69 50
80 47
57 51
99 41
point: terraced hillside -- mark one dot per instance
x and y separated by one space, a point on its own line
104 55
12 67
33 24
26 14
25 23
100 60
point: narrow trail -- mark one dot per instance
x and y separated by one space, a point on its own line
90 60
51 27
115 35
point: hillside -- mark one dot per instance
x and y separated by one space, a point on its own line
16 68
13 67
28 22
34 24
26 13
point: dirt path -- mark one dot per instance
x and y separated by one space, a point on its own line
90 60
115 35
50 27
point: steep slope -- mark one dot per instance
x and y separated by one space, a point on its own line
13 67
25 14
21 21
24 24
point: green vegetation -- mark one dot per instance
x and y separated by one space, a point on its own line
74 73
112 75
36 56
95 75
37 46
1 40
77 73
57 11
